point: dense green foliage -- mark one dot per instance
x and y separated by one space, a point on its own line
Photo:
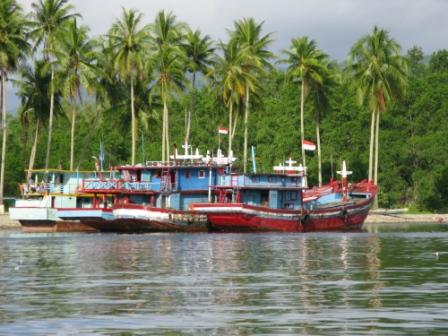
413 168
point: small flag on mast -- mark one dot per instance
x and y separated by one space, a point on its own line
308 145
223 130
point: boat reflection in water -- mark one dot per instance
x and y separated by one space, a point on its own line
299 283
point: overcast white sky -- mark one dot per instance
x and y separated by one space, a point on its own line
334 24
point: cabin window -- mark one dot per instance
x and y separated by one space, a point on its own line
201 174
270 179
255 179
294 180
188 174
291 196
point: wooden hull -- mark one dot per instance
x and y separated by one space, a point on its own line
244 218
43 219
141 218
48 226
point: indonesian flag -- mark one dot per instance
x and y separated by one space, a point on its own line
223 130
308 145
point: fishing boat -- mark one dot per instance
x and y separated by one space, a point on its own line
46 194
278 202
155 196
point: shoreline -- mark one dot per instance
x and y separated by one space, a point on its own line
7 223
396 218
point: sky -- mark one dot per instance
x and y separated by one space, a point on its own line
334 24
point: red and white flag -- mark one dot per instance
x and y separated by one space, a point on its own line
308 145
223 130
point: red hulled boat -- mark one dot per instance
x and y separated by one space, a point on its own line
277 202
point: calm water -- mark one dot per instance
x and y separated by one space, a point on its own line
382 283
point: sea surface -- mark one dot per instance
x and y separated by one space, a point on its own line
390 280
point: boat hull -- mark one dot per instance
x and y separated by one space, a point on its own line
141 218
244 218
337 219
43 219
38 226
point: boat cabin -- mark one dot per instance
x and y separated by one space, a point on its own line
272 190
173 184
56 188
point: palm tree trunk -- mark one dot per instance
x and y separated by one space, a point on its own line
72 142
246 120
33 152
4 131
50 119
235 123
319 158
375 175
187 133
133 123
302 130
372 140
192 105
230 127
167 144
163 131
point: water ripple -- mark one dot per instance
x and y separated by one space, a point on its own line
224 284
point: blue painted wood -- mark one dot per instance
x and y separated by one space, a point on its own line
193 178
175 201
193 198
274 199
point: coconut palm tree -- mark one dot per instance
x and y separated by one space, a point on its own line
253 45
379 73
34 91
200 56
109 92
75 52
13 47
49 18
232 81
320 94
306 64
130 42
167 65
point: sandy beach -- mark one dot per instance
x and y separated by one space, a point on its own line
7 223
391 216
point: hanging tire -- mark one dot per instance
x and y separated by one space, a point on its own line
344 215
305 220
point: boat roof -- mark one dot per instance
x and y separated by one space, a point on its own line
67 171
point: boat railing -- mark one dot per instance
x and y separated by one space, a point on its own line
70 188
42 188
138 186
175 163
119 185
96 184
32 189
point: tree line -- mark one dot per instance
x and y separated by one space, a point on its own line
143 88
